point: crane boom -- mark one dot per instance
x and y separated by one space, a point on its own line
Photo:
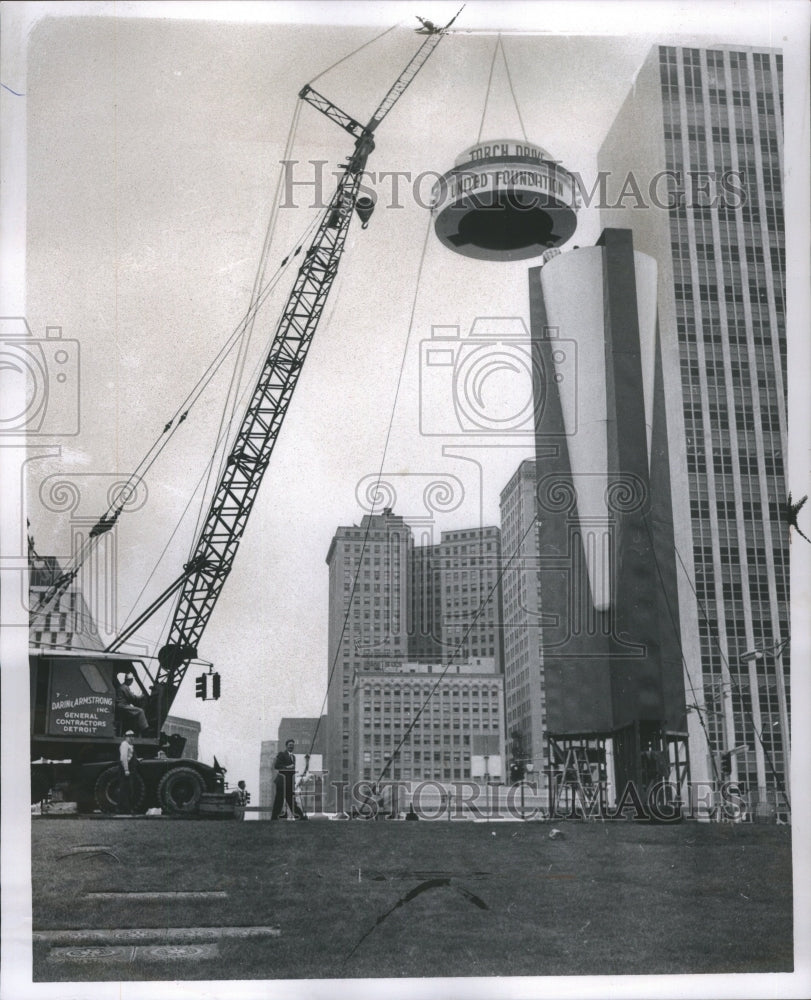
399 86
236 491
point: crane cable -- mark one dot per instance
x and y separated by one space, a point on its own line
512 91
375 494
230 403
223 437
246 324
354 52
460 644
500 45
118 505
487 93
375 490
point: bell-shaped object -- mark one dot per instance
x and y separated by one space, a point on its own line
364 206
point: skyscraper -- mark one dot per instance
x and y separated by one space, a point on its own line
391 601
457 597
425 642
701 133
470 587
523 655
368 618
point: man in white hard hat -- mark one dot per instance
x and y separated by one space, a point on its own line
127 763
128 706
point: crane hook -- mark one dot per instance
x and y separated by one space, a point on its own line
364 206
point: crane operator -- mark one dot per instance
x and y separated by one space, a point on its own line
128 706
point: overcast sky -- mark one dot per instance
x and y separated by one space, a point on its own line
154 148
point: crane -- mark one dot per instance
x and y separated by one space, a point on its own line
179 787
221 532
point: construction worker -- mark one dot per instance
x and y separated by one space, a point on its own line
128 706
126 768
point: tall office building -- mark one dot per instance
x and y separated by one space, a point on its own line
391 601
456 594
369 604
471 595
523 650
701 132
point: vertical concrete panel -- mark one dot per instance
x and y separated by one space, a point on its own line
635 674
574 635
660 522
572 287
646 273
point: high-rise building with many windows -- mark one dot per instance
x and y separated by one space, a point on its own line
701 133
369 601
391 601
470 589
456 593
445 717
523 648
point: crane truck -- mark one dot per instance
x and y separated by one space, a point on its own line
75 727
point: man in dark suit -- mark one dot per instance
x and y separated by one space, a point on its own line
285 766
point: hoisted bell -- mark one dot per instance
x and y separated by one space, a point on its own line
364 207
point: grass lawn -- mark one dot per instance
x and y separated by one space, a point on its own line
474 899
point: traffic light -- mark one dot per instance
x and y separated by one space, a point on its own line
215 686
200 687
517 771
726 764
247 798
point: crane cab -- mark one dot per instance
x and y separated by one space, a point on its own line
74 703
76 731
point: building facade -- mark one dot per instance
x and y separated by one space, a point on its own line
524 689
426 640
67 623
369 602
456 593
471 595
702 129
447 721
391 601
613 671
